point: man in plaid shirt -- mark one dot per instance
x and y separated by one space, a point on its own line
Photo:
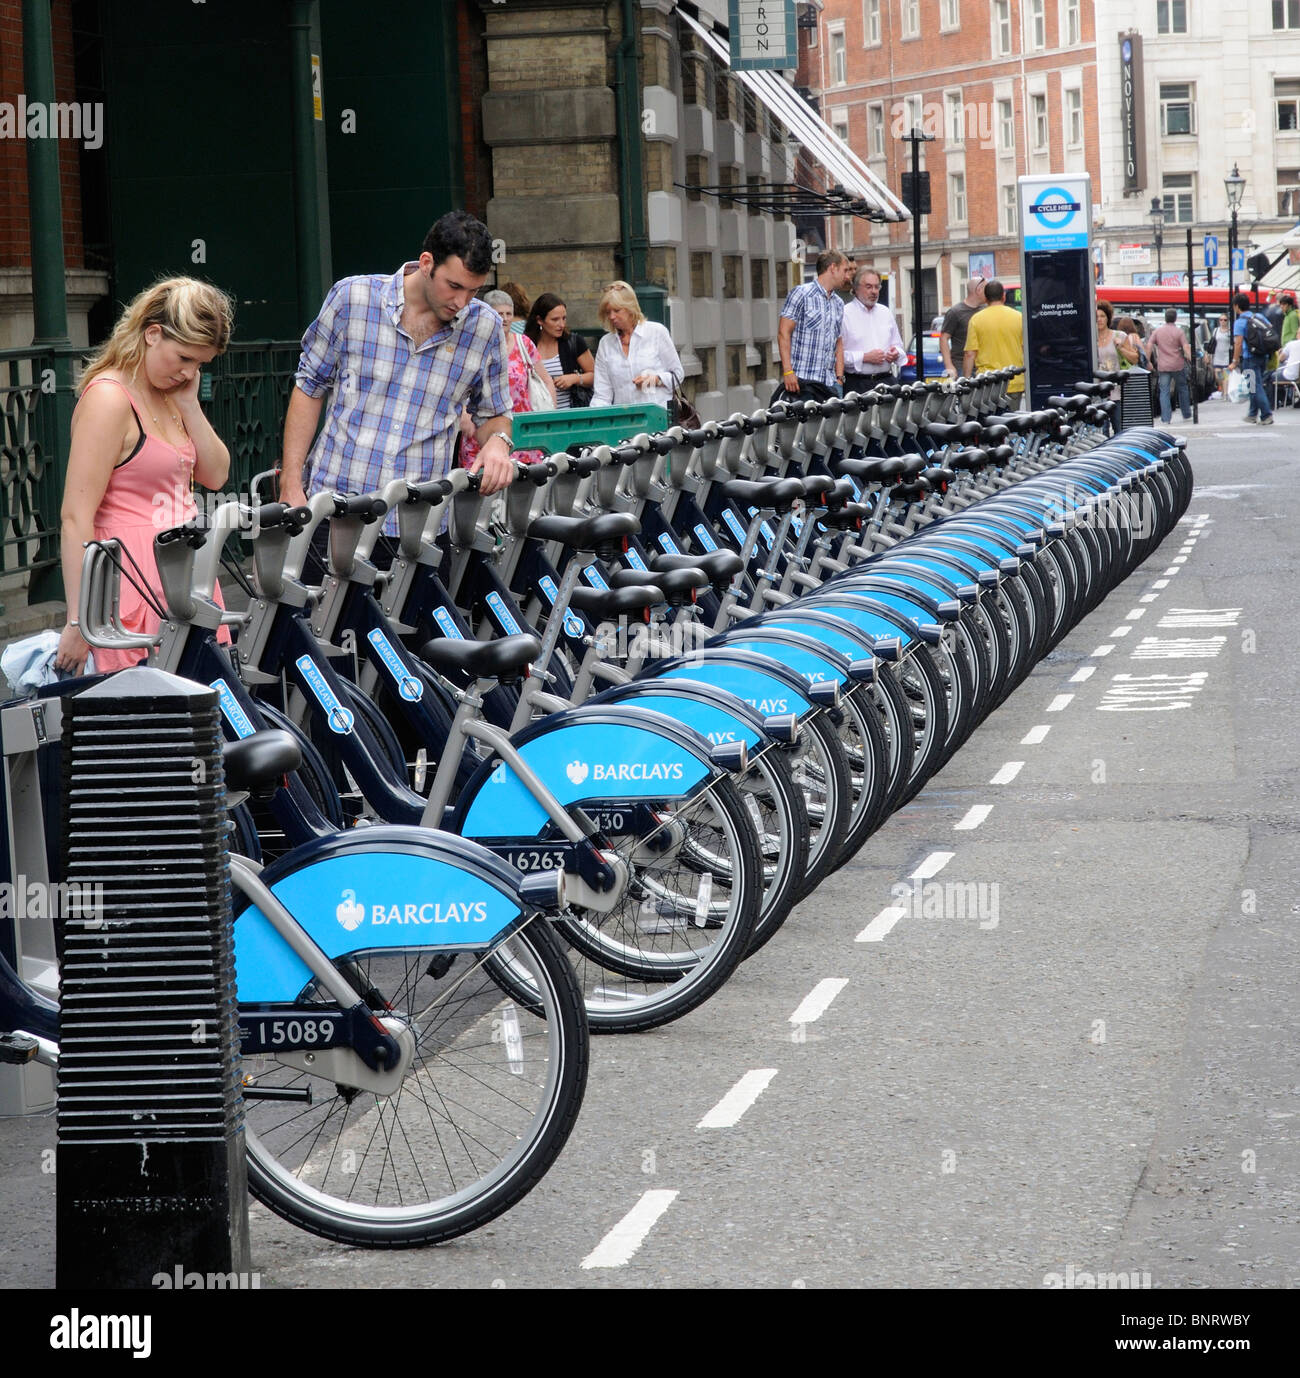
808 334
401 355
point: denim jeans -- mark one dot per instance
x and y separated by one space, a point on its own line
1166 380
1253 368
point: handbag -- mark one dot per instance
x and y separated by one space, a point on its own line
579 396
681 412
539 395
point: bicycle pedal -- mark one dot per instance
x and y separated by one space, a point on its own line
17 1049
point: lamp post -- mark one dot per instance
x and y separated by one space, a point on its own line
1234 184
1157 215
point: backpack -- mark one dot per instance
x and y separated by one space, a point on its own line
1262 338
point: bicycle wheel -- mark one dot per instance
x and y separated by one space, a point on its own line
489 1098
685 920
780 815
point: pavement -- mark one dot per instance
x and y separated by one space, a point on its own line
1088 1070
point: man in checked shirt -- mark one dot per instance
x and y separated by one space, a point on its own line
400 355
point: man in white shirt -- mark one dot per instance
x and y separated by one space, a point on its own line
872 344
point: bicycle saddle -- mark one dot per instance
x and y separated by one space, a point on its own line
260 760
501 659
721 566
945 433
605 604
603 531
779 494
678 585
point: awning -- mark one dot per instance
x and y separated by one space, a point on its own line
784 104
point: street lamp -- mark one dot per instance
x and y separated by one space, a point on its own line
1157 214
1234 184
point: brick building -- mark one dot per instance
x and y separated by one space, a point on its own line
1007 87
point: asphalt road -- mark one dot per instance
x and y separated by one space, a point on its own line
1073 1053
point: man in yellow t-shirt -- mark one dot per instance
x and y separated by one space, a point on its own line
995 338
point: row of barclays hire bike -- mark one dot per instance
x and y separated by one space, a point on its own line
505 772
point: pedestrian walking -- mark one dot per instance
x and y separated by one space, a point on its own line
637 361
566 357
1250 352
399 355
956 320
522 369
1172 354
809 333
1222 356
1113 346
995 339
870 340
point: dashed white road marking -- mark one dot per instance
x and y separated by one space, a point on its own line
1059 702
1035 735
1121 631
1147 598
742 1095
1082 673
932 865
1007 773
876 930
629 1234
818 1000
972 818
1162 583
1136 613
1103 650
1180 560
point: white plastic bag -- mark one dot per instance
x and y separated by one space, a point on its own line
1238 386
29 664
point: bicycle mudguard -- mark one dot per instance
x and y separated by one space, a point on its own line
585 754
824 627
797 651
364 891
878 622
760 680
712 712
911 610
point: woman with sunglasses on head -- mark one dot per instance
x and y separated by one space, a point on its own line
139 442
564 355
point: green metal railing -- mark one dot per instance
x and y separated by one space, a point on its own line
245 395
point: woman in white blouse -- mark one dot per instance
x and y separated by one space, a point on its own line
636 362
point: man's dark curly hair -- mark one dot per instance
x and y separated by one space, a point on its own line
458 235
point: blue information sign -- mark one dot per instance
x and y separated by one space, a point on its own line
1211 250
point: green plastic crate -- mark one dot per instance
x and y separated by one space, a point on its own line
555 431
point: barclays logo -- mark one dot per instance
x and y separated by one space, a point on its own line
349 913
577 771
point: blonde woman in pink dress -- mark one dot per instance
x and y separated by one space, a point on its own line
139 441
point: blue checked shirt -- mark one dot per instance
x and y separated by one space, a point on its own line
818 317
395 407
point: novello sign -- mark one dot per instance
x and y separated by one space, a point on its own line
1130 108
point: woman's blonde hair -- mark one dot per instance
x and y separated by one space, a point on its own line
618 296
188 311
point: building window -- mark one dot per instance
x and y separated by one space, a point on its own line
1286 98
1009 209
1179 197
876 131
1177 108
1073 119
1073 24
911 18
1002 27
1038 123
1171 16
871 23
758 268
840 125
955 121
1288 192
702 275
733 276
949 15
844 232
1286 14
1037 23
839 57
1006 127
956 198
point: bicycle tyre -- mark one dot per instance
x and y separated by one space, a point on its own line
471 1130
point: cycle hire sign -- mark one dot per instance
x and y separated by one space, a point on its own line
1058 287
